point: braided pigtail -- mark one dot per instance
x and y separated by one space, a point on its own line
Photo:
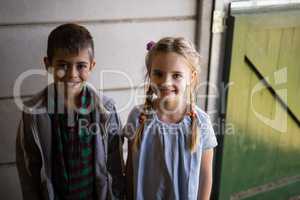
142 120
192 113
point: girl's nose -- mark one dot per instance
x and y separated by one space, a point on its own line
167 80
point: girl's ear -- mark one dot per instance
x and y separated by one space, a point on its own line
46 63
194 77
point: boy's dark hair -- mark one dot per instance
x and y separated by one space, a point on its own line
70 38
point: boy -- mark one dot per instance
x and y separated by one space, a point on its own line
68 144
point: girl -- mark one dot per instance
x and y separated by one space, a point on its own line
171 140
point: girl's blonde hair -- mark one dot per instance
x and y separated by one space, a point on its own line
187 50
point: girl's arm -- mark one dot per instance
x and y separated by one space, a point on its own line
206 175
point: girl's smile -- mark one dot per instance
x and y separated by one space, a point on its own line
164 91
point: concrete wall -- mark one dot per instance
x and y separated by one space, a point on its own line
120 29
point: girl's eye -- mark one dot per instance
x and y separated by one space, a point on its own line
177 76
157 73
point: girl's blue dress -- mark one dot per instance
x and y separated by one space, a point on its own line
164 168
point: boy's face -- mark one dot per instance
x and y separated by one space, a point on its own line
71 69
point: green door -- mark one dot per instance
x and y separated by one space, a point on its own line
261 143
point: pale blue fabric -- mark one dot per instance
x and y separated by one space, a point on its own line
164 168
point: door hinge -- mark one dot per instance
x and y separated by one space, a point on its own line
219 21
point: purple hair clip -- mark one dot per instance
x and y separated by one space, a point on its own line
150 45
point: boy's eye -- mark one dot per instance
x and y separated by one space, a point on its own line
82 66
63 66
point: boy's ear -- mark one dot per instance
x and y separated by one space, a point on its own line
46 63
93 64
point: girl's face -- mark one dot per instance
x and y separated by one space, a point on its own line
170 76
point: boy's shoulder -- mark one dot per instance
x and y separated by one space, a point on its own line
107 102
133 117
37 103
136 111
